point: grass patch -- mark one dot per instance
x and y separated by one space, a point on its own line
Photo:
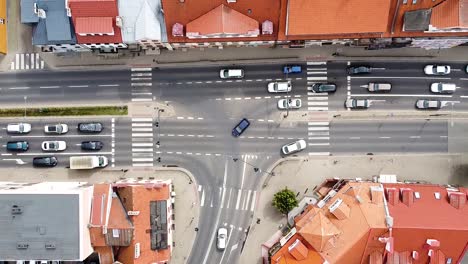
65 111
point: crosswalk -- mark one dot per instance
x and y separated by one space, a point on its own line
228 198
316 73
142 142
27 61
318 138
142 82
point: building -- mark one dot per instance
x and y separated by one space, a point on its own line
368 222
3 27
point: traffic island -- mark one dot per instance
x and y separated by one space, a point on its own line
65 111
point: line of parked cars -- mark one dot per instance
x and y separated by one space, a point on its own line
52 145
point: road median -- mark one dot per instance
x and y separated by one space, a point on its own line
65 111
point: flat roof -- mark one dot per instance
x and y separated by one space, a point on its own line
44 219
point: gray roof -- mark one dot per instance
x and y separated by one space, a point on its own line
56 28
27 12
51 219
417 20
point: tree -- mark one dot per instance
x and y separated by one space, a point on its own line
285 200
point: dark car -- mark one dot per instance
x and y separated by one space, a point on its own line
359 70
17 145
241 127
45 161
91 145
324 88
90 127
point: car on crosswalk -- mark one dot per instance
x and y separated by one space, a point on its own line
324 88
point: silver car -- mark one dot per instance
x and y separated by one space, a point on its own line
56 129
289 103
221 238
357 103
437 69
19 128
279 87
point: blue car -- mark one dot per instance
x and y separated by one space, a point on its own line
292 69
241 127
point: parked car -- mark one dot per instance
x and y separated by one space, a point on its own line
54 145
324 88
294 147
357 103
56 129
241 127
359 70
45 161
379 87
437 69
288 69
279 87
91 145
231 73
90 127
19 128
289 103
444 88
428 104
17 145
221 238
466 69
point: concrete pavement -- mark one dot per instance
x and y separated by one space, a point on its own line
307 173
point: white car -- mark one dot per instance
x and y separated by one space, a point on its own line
357 103
19 128
54 145
437 69
231 73
289 103
294 147
444 88
279 87
56 129
222 238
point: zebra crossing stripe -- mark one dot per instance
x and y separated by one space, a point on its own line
318 123
316 63
142 119
253 201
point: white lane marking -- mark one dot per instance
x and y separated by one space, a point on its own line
142 93
62 136
9 154
63 153
316 63
142 159
108 85
202 203
142 119
318 123
402 95
243 171
415 137
142 149
252 206
319 144
317 108
247 201
19 88
49 87
317 98
239 194
142 164
142 144
141 78
319 153
316 72
142 134
316 78
390 77
199 187
229 198
140 74
385 137
323 133
319 138
237 98
142 129
316 103
355 138
142 124
180 117
141 84
443 136
78 86
141 69
142 99
318 128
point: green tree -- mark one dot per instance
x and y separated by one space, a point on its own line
285 200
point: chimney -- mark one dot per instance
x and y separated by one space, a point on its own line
407 196
376 194
457 199
339 209
393 196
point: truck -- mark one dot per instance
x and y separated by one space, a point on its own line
88 162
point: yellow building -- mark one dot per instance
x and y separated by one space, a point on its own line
3 26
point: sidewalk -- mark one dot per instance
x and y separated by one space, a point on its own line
307 173
186 213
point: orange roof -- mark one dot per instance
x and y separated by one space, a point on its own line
305 17
450 14
222 20
138 198
94 25
188 11
100 206
284 256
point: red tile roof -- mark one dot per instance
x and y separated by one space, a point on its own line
450 14
93 8
184 13
222 20
94 25
318 17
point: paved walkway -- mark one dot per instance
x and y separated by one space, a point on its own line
307 174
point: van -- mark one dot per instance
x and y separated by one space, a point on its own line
379 87
231 73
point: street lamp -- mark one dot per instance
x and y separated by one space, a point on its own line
25 98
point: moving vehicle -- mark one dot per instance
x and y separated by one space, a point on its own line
289 103
359 70
19 128
288 69
56 129
357 103
379 87
428 104
91 145
443 88
90 127
294 147
231 73
54 145
88 162
241 127
45 161
17 145
437 69
324 88
221 238
279 87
